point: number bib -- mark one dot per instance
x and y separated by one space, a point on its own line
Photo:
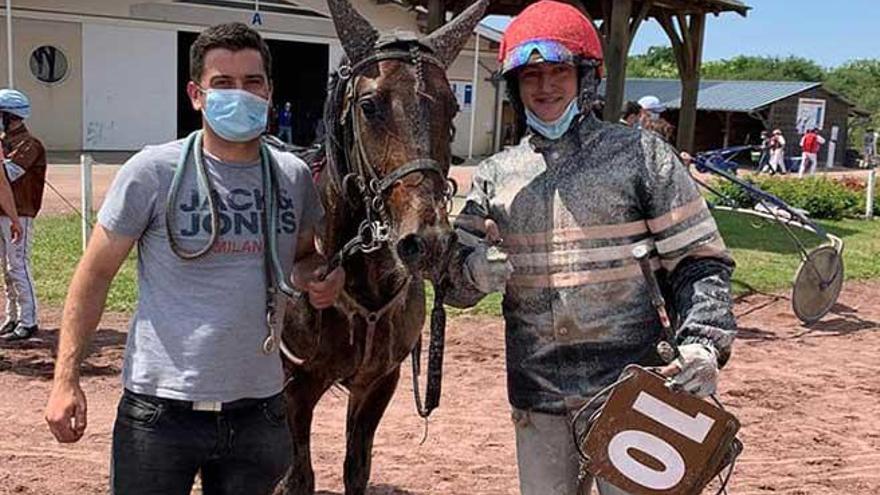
649 440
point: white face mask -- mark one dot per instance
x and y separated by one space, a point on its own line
554 130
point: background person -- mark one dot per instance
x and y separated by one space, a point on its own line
776 164
869 148
567 205
285 124
810 143
650 118
201 391
631 113
25 166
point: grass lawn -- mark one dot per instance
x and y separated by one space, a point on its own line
766 258
57 249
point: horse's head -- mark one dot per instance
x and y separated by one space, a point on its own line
395 109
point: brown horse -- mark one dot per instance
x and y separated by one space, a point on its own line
385 191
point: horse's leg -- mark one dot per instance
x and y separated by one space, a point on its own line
365 409
302 395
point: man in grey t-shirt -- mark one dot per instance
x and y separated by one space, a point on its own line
202 391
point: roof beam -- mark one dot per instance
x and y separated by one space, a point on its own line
638 19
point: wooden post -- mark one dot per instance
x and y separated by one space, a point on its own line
726 130
869 203
688 48
9 54
615 57
691 82
436 14
86 192
475 88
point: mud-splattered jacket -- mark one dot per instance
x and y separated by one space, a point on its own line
576 307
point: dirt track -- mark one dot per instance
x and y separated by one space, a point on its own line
809 401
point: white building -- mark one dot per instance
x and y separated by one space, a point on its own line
107 75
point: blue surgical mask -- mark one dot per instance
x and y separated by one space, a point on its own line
235 114
554 130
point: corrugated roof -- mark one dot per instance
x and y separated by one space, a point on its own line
729 96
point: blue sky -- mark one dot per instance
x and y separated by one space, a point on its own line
830 33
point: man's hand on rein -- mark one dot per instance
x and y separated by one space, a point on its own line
324 292
695 371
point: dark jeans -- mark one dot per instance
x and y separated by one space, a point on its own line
160 444
285 133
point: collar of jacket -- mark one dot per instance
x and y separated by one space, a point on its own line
17 134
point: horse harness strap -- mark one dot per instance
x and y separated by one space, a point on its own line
351 307
435 358
419 165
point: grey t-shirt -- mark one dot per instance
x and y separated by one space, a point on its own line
200 324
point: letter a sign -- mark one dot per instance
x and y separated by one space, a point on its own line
257 19
652 441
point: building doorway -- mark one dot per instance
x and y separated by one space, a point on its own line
299 75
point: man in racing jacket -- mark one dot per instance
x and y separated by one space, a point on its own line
567 206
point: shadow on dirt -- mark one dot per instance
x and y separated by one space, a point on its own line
380 489
35 357
841 320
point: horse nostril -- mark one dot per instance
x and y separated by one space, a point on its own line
411 248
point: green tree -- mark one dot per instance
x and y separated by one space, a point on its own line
751 68
859 82
657 63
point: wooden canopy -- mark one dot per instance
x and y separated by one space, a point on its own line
618 21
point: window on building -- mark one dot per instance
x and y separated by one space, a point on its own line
48 64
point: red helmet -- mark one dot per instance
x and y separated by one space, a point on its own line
557 31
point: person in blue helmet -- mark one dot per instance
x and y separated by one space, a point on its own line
24 161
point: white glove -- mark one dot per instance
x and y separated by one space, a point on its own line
698 373
488 269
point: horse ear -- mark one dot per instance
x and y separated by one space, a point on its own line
356 33
450 39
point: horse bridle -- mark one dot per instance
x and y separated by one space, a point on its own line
375 230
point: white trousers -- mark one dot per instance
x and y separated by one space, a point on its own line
812 158
777 161
547 459
21 297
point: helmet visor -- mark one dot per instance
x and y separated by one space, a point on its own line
536 52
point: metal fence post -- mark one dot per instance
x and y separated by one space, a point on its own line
869 206
86 190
